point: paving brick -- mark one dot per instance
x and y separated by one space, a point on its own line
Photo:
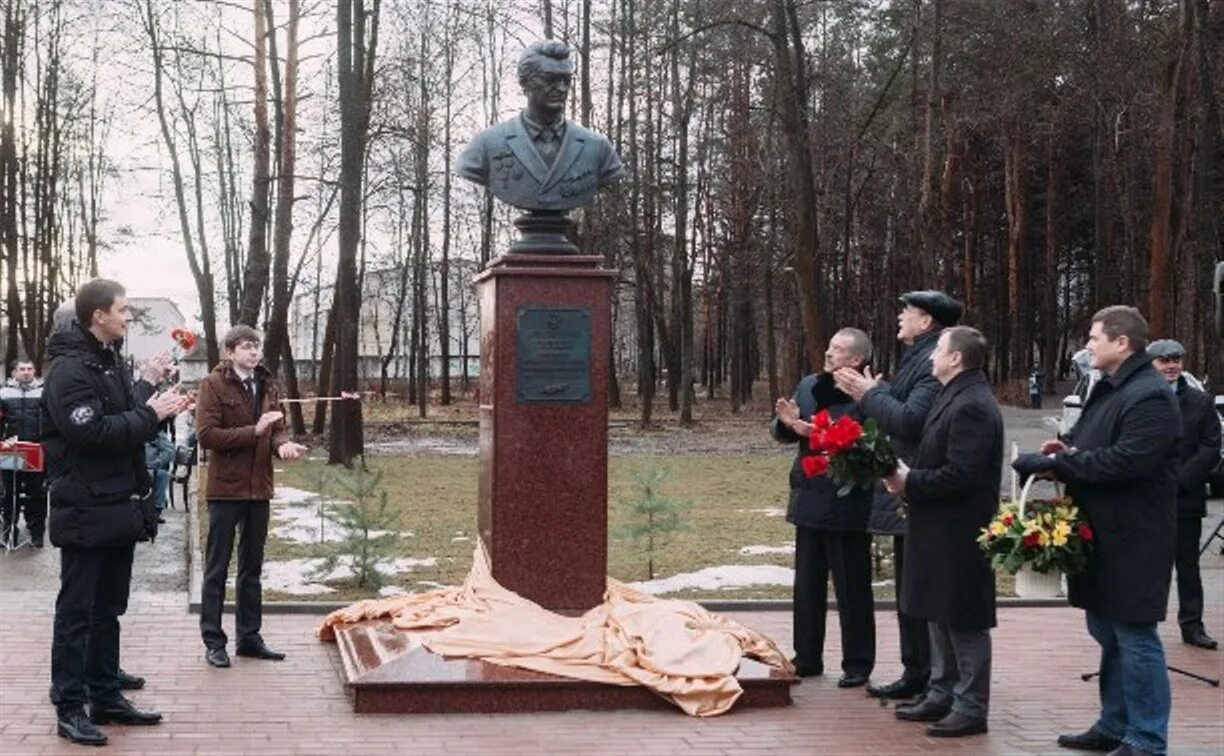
299 706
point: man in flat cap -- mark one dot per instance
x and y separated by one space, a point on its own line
901 407
540 160
1200 452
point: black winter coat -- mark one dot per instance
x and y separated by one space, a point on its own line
1200 449
900 407
814 502
953 490
22 409
1120 472
95 425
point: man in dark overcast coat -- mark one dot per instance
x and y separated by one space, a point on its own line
953 490
1120 466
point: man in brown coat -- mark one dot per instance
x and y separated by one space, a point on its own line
238 420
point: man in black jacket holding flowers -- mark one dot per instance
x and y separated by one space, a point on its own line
830 530
1120 466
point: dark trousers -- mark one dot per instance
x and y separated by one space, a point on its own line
23 494
1189 582
93 594
250 520
915 635
847 556
960 669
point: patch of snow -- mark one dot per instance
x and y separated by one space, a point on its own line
291 495
720 578
299 577
392 590
770 511
788 548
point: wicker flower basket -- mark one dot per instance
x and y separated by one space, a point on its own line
1030 583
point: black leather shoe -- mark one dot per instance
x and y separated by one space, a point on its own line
1129 750
1199 637
130 682
216 657
923 710
1090 740
899 689
75 726
122 712
957 725
260 651
852 680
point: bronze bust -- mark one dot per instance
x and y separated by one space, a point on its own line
540 160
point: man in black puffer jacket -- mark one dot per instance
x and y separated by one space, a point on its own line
95 425
900 407
830 531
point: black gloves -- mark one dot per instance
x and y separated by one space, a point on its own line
1032 464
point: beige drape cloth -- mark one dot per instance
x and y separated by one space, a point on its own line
677 649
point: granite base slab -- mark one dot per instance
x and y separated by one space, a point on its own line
385 675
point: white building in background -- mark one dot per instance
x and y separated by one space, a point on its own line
308 323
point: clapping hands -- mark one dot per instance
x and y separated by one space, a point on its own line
170 402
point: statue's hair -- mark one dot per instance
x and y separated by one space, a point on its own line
530 62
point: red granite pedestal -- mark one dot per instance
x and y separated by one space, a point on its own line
542 504
385 676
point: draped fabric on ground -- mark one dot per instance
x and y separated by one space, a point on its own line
677 649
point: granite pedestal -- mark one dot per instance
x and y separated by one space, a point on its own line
543 490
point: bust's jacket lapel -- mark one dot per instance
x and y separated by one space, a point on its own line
520 143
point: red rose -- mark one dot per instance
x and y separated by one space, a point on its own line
821 420
1085 532
816 440
1031 540
814 465
842 434
184 338
1007 519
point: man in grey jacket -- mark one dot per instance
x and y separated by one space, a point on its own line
901 407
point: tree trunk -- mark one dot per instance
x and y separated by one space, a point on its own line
255 277
286 134
355 66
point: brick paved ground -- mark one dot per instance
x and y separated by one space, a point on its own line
299 706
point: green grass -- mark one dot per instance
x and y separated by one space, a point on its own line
725 494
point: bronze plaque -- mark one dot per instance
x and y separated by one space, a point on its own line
554 354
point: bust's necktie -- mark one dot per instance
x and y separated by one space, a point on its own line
549 144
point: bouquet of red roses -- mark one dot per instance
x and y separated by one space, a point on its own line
854 455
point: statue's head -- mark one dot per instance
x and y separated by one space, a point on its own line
545 71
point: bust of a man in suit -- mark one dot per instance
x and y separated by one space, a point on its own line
540 160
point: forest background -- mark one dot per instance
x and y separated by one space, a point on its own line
794 165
